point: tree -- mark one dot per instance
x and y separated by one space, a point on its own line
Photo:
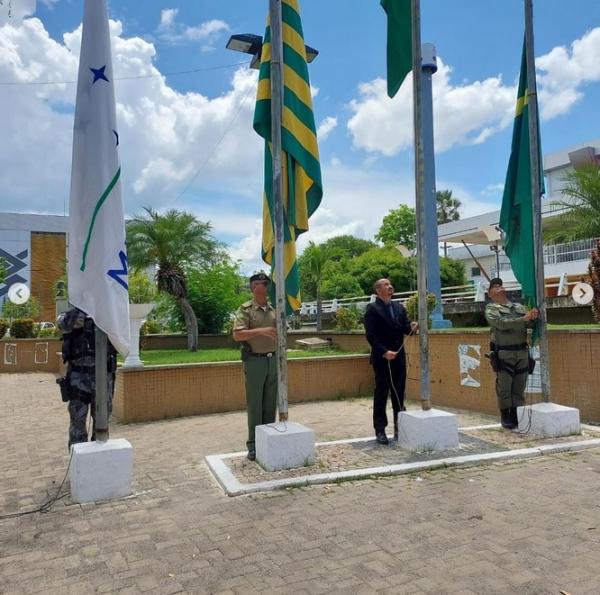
172 242
399 226
581 219
30 309
345 246
447 210
2 269
594 270
314 260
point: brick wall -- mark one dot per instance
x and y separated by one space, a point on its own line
30 355
159 392
48 252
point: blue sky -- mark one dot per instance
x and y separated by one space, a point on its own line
187 140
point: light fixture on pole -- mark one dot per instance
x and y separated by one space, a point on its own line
248 43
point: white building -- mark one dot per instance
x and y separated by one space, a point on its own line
482 236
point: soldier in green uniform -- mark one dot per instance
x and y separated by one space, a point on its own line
510 354
255 328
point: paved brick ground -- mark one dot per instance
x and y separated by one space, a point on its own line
529 527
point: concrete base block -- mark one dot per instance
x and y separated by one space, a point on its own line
101 470
427 430
549 419
284 445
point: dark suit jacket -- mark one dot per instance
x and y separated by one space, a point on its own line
384 334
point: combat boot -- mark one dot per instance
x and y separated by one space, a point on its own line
514 417
506 419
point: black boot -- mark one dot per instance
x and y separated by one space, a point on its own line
514 417
506 419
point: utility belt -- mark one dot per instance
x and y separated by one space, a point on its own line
499 365
517 347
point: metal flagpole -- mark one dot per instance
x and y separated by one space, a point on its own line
536 191
420 205
275 13
101 379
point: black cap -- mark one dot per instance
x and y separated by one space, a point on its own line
495 281
259 277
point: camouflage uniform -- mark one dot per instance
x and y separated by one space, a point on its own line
79 355
509 335
260 366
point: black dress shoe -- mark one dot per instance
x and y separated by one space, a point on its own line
396 434
506 419
514 417
381 438
251 456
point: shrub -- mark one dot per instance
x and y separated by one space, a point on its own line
22 328
3 327
141 289
412 306
348 319
48 332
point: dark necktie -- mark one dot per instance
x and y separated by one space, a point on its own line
390 311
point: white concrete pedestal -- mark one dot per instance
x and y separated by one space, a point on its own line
549 419
284 445
101 470
137 316
427 430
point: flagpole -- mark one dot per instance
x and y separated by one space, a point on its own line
536 193
275 13
101 379
420 205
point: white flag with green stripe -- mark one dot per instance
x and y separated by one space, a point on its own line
97 257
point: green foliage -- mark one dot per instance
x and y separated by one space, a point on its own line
60 286
22 328
581 219
48 333
594 271
412 306
30 309
452 272
141 289
348 319
345 247
151 327
447 207
3 327
339 284
214 293
2 269
399 227
382 262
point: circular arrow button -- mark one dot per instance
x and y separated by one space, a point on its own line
583 293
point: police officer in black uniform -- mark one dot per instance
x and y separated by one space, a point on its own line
78 387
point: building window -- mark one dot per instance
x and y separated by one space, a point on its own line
475 272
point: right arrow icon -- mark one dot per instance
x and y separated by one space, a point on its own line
583 293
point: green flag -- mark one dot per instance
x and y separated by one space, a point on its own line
516 216
399 42
300 167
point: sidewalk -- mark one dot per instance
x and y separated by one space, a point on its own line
527 527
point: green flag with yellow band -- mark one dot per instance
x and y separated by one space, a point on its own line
516 215
301 168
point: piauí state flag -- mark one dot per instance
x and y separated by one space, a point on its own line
301 168
97 256
399 42
516 215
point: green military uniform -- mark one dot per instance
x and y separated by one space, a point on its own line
509 334
260 366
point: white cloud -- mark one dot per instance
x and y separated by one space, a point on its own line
493 189
326 127
471 112
168 138
170 31
464 114
564 73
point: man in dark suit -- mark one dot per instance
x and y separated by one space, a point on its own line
386 323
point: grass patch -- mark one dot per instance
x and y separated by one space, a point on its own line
163 357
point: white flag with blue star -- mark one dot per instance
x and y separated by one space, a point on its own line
97 255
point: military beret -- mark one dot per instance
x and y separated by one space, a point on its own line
495 281
259 277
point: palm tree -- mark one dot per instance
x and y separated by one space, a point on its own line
315 259
170 242
581 219
447 210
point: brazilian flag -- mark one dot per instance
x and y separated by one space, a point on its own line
516 215
399 42
301 169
